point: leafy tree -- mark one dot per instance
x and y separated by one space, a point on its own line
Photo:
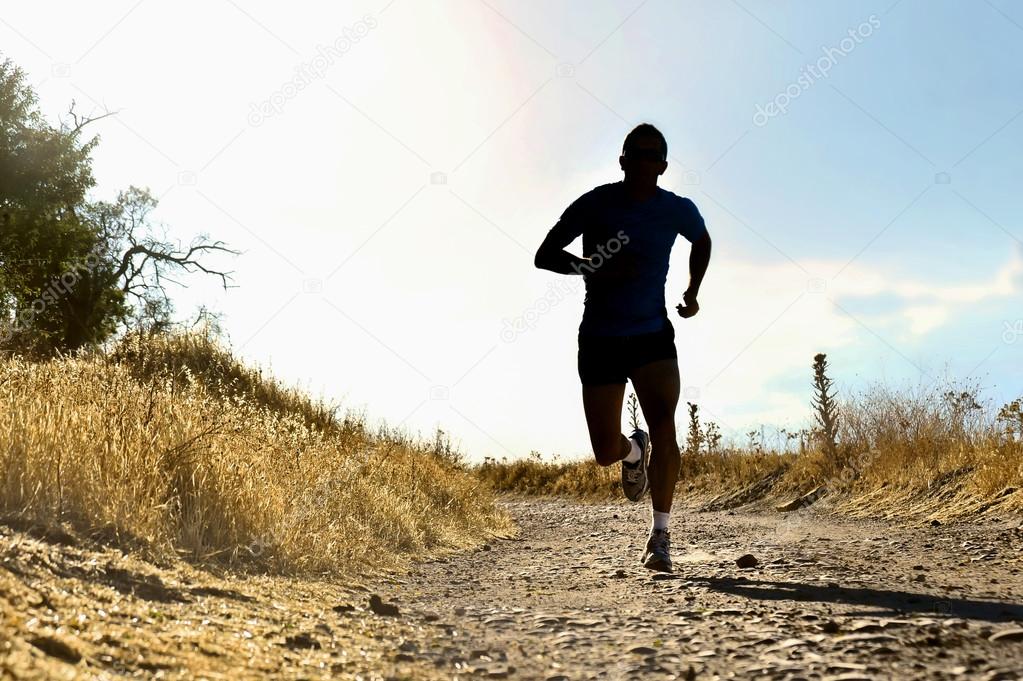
45 173
73 271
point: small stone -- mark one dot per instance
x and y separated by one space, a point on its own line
54 647
747 560
1000 675
380 608
343 608
304 640
643 650
866 638
585 623
846 667
1007 635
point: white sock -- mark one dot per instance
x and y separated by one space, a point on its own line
634 454
660 520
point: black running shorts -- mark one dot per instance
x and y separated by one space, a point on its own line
611 359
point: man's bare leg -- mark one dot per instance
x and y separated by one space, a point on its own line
602 405
657 387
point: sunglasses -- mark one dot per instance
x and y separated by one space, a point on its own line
644 155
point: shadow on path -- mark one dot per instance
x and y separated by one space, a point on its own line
896 602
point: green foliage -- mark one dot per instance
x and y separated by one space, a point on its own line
73 271
46 284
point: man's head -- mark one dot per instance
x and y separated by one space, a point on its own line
644 154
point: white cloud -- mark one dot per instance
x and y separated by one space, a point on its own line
924 306
760 325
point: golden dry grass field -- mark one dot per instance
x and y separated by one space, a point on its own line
171 447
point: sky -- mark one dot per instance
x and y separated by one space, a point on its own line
388 168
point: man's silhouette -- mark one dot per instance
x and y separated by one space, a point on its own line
628 229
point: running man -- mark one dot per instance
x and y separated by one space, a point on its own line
628 229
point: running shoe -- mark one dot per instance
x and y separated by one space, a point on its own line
658 551
634 475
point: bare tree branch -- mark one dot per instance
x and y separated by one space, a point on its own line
82 121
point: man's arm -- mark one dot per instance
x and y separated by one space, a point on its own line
694 229
699 258
551 255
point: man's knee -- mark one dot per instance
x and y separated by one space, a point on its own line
668 453
662 431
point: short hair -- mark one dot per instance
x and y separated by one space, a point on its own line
644 130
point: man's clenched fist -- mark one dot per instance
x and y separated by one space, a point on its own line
689 306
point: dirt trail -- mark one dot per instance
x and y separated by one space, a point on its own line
567 599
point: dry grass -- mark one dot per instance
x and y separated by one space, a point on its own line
938 451
534 476
171 446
